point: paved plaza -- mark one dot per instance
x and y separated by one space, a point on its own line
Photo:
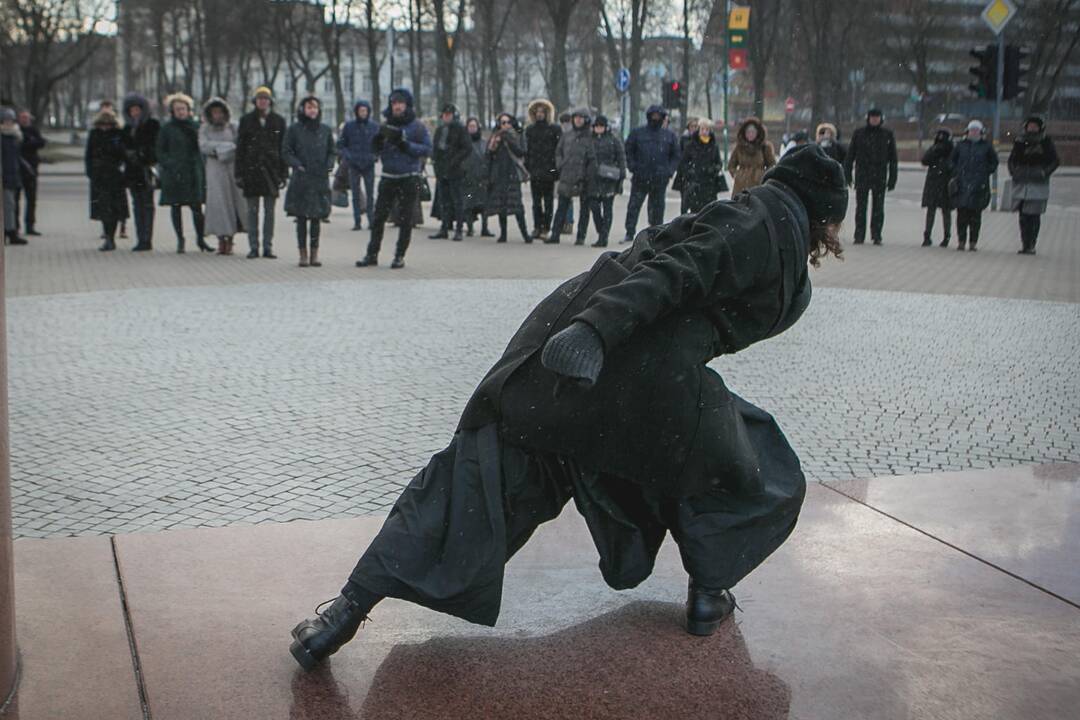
151 391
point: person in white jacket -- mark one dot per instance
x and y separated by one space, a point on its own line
225 204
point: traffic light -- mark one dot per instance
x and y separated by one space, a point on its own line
1011 87
985 85
673 91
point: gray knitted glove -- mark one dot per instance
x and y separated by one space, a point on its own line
576 352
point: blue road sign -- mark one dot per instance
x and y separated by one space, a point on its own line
622 80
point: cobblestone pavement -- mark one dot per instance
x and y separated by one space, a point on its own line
156 408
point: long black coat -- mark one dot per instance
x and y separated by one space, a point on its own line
702 173
702 286
475 181
260 168
309 151
105 153
541 141
872 154
974 161
451 148
938 160
141 143
504 179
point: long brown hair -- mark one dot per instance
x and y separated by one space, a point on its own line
824 241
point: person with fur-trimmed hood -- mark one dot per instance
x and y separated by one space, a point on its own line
752 156
260 169
605 396
652 156
828 139
935 195
309 151
355 148
1031 163
140 136
574 157
226 209
105 156
401 145
541 142
183 177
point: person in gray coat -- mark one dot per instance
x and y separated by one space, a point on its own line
309 151
225 204
574 158
1032 160
974 160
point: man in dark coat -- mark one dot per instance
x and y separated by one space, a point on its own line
29 160
140 141
604 396
652 156
451 151
541 140
935 195
355 147
871 164
401 144
260 169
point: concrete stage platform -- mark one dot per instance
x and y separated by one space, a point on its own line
929 596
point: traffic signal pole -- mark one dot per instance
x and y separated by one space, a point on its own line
1000 89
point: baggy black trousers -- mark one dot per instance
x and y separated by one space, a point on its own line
448 537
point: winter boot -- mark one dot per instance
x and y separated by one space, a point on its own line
368 261
108 245
398 263
945 241
707 608
222 245
458 235
314 261
13 238
304 258
179 246
926 241
317 638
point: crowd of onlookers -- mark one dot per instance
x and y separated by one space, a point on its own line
229 174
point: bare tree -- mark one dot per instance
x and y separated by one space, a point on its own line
626 47
765 26
492 18
447 43
49 40
559 12
1054 28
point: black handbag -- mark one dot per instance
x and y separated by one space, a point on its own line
609 172
425 189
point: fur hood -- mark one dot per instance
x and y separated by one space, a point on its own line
301 117
106 117
178 97
136 100
762 132
12 130
539 103
826 126
216 102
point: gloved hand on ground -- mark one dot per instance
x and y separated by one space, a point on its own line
576 352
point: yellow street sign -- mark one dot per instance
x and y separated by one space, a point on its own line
739 18
998 13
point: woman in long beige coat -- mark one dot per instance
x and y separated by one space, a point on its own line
226 207
752 156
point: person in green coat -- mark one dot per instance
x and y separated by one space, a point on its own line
309 150
180 163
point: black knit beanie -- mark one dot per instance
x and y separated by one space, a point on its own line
817 179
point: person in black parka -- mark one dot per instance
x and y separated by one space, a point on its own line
1031 163
140 135
261 171
29 161
935 194
702 168
871 164
606 178
475 182
105 155
974 161
309 150
604 396
541 140
451 148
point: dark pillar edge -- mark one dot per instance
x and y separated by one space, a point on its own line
133 646
9 654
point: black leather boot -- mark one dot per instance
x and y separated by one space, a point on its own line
706 609
317 638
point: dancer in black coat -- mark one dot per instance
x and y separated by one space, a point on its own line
604 396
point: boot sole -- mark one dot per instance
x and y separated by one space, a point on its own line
302 656
703 628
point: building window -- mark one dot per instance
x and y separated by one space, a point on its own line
350 84
328 84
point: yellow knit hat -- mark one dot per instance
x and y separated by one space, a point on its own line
263 90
